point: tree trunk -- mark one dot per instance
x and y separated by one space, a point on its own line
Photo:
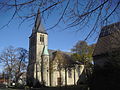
10 78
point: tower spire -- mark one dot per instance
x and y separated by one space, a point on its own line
38 20
38 27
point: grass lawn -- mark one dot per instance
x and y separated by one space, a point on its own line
75 87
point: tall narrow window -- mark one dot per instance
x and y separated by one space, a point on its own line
42 39
70 73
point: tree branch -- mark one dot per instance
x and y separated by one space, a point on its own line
60 17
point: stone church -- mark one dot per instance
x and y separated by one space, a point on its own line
49 67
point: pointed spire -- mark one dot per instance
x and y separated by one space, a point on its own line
38 20
38 25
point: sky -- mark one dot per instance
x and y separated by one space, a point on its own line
59 39
16 36
19 37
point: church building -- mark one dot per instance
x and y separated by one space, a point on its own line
49 67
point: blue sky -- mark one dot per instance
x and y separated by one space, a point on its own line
19 37
58 38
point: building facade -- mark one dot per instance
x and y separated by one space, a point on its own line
107 45
49 67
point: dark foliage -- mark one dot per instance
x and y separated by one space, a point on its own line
105 78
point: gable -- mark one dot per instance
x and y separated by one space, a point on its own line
108 39
62 58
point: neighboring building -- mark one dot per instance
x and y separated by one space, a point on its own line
108 44
49 67
4 78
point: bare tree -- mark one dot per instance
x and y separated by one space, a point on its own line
14 62
73 13
21 63
8 57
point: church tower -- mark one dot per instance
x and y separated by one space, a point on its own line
38 68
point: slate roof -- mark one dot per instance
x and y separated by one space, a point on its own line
109 29
38 27
109 39
65 55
